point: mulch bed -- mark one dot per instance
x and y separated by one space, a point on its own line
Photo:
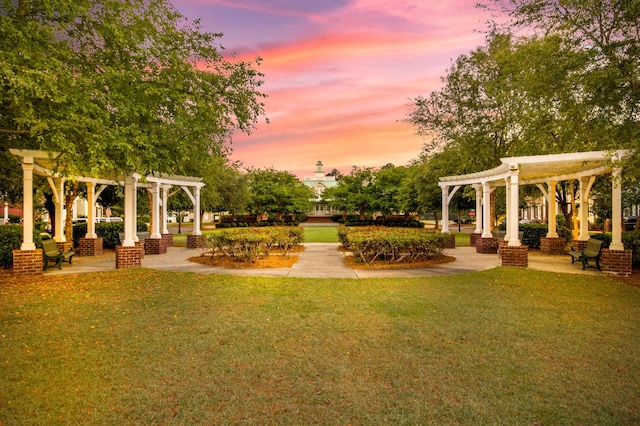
271 261
382 264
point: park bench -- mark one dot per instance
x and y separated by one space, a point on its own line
50 251
593 250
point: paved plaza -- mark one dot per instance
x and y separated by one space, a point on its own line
323 260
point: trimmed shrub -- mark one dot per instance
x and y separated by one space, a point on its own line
11 239
392 244
630 239
412 223
532 232
248 244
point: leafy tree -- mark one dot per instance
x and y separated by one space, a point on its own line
354 192
118 85
599 59
178 203
227 188
278 192
386 188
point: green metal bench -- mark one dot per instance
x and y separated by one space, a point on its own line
593 250
50 251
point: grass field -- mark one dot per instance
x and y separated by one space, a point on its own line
505 346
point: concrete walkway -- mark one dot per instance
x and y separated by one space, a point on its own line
323 260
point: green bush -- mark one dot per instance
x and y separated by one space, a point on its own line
388 223
248 244
631 240
11 239
392 244
108 231
532 232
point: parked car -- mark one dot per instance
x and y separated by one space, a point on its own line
109 219
630 223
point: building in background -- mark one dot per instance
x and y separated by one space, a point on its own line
320 182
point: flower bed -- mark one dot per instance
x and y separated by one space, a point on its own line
249 244
396 245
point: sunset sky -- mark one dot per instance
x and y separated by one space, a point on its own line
339 73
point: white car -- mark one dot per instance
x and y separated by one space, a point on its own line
109 219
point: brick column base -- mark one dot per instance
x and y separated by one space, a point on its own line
474 238
196 241
615 262
578 245
66 246
501 245
486 245
128 257
552 245
27 262
140 246
168 240
451 242
515 256
155 246
90 247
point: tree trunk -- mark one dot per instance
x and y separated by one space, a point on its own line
575 226
150 201
69 197
561 197
435 215
51 209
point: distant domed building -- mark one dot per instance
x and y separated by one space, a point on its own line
319 182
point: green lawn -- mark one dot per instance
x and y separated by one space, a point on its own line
321 234
505 346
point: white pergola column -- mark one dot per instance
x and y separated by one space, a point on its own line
486 210
130 210
512 220
27 204
445 209
91 201
6 212
155 210
510 212
57 186
196 212
552 231
585 187
165 200
478 189
616 210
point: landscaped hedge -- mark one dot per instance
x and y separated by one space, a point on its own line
261 224
630 239
11 239
532 232
387 223
248 244
108 231
369 244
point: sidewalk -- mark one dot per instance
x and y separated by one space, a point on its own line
323 260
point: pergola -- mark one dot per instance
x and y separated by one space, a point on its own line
544 171
42 163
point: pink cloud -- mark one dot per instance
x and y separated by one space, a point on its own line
340 74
